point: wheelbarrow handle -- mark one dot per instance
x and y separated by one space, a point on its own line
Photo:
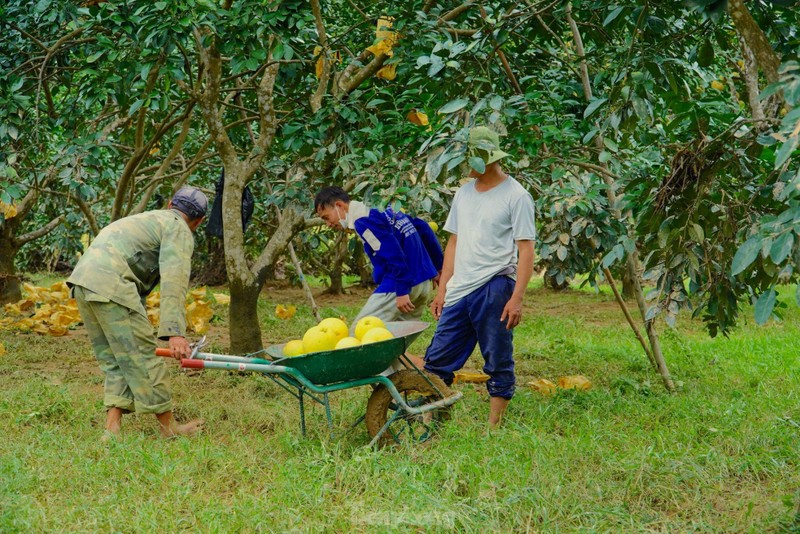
163 351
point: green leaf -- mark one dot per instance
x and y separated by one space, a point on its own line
589 136
786 150
696 232
770 90
136 105
611 145
592 107
613 15
746 255
782 247
94 57
436 65
453 106
764 306
455 162
478 164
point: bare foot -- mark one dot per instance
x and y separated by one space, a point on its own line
109 436
113 425
497 408
186 429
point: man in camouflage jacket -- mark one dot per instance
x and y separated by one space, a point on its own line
124 263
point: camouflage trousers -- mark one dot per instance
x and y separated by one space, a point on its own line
124 345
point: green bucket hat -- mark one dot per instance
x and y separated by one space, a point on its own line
485 144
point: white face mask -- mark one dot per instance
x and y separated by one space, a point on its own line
342 219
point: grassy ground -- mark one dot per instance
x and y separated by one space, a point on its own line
721 455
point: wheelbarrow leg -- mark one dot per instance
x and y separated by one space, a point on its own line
395 416
328 412
302 412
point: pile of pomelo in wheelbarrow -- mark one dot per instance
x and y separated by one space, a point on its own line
406 402
332 334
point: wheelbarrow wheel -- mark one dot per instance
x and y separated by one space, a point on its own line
416 390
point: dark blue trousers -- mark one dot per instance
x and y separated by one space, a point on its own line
475 319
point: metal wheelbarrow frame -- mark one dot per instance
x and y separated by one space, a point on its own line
315 375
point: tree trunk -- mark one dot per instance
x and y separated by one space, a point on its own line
337 271
632 262
634 267
628 286
552 283
10 287
337 285
244 328
749 31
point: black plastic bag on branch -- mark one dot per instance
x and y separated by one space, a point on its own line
214 225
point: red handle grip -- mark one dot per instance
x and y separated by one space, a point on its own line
192 364
163 351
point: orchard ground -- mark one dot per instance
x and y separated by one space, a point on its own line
720 455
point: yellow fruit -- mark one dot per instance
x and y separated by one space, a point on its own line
293 348
316 339
472 378
434 226
337 326
543 386
347 342
718 85
578 382
376 334
365 324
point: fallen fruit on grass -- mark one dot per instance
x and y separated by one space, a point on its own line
285 312
318 338
376 334
365 324
473 378
578 382
335 325
543 386
293 348
347 342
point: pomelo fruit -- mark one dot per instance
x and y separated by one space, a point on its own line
376 334
317 339
347 342
365 324
335 325
293 348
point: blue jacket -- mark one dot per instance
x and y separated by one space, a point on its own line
400 256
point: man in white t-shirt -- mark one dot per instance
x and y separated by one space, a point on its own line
488 262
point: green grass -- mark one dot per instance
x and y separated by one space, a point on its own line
721 455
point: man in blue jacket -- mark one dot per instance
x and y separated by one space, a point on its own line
405 254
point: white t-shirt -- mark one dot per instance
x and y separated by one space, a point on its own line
487 224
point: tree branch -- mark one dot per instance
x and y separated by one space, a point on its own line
44 230
324 78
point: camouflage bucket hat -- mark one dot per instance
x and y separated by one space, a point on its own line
190 201
485 144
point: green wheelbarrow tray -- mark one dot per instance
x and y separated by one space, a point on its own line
332 366
399 400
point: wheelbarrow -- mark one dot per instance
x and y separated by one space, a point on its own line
403 407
